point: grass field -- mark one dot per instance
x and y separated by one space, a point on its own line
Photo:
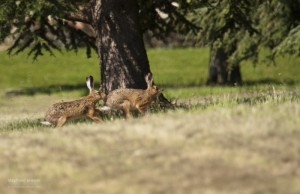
222 140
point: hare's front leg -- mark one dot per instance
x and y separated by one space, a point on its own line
141 109
61 121
126 109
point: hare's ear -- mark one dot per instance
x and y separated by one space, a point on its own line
149 80
90 82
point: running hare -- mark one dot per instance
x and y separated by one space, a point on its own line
59 113
133 99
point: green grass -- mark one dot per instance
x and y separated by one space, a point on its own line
238 140
188 67
179 67
176 70
64 69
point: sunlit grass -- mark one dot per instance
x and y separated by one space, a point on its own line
234 148
22 125
196 102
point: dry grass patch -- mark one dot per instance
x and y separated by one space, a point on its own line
225 149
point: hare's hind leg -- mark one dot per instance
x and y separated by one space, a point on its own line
91 114
61 121
95 119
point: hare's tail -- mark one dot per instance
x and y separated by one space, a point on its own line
46 123
105 108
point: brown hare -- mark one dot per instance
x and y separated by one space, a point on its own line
59 113
132 99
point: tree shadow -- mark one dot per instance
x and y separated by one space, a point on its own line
30 91
181 85
244 83
269 81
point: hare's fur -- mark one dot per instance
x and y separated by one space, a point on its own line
59 113
127 99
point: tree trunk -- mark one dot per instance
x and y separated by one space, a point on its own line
123 58
220 73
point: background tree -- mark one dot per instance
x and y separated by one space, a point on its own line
233 29
237 30
279 23
116 28
226 29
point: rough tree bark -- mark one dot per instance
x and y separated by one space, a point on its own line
123 59
219 71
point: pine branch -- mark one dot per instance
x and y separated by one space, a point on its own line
37 50
24 46
49 42
47 48
17 42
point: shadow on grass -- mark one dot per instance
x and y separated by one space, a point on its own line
30 91
269 81
45 90
35 124
23 125
245 83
